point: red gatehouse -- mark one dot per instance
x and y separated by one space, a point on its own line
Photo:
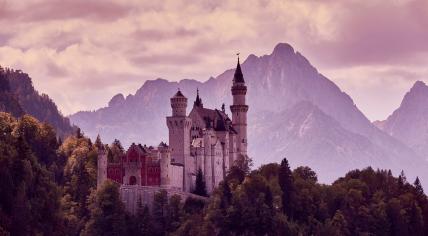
140 165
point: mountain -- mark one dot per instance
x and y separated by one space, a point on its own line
341 136
19 97
409 123
309 137
8 100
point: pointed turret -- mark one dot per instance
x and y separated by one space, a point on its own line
198 101
239 109
238 77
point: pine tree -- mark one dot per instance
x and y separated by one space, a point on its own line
175 212
402 177
200 187
79 133
416 221
117 150
160 212
107 216
418 187
286 182
143 219
98 142
244 163
227 194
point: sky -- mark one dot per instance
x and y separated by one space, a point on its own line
83 52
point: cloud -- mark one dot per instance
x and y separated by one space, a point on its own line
48 10
95 49
376 33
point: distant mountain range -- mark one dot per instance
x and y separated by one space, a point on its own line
18 97
295 112
409 123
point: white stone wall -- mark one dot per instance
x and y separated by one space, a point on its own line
208 160
130 194
232 149
224 139
218 165
101 167
176 177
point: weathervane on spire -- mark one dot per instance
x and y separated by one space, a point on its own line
238 55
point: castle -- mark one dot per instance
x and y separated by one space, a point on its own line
205 140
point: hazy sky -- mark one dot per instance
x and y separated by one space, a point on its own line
82 52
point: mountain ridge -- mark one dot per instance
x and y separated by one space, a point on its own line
29 101
409 122
281 79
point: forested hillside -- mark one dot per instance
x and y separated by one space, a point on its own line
18 96
8 100
49 188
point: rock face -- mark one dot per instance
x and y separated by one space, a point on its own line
409 123
117 100
309 137
294 112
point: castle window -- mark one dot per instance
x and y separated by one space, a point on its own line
132 180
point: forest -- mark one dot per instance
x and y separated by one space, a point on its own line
48 187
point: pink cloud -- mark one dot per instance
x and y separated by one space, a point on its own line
67 9
99 48
376 33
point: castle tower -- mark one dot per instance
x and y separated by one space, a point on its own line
179 126
165 163
101 166
239 110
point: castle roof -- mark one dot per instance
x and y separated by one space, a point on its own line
216 119
162 144
238 77
198 101
179 94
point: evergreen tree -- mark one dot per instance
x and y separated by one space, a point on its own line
193 206
98 142
143 220
416 221
418 187
160 212
286 183
200 187
175 213
107 213
244 162
79 133
117 150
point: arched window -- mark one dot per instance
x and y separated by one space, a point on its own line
132 180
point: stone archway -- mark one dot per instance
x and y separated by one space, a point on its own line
132 180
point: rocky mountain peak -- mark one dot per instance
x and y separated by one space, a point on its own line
419 87
283 49
417 96
409 123
117 100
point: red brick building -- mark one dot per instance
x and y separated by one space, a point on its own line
140 165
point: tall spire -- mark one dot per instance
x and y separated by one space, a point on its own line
238 77
198 101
